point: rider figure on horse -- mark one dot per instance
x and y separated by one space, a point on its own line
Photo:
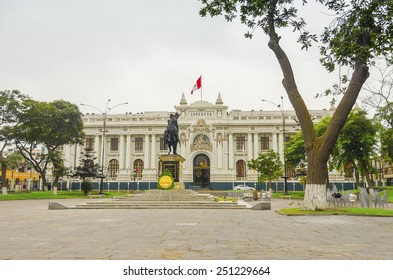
171 134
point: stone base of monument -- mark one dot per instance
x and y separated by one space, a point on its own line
174 164
179 186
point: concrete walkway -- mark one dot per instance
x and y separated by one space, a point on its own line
30 231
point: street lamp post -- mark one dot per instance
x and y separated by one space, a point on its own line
104 114
281 108
134 178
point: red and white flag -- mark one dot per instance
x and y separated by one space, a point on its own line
197 85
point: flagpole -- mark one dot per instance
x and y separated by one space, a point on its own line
201 87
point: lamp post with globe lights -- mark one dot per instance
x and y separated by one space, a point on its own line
104 115
281 108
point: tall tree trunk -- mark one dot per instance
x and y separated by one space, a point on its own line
317 149
4 178
43 179
367 175
315 193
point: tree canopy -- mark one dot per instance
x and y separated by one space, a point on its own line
11 103
47 124
268 166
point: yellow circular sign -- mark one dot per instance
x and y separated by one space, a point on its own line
165 182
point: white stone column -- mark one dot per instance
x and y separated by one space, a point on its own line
280 146
153 151
97 144
249 146
128 153
219 154
256 149
274 142
77 154
225 155
147 152
121 153
230 148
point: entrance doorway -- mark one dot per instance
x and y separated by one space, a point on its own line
201 171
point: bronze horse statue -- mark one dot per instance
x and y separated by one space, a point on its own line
171 135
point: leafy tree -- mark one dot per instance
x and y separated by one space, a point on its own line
47 124
356 144
384 120
58 167
379 97
295 152
268 165
87 168
11 103
86 187
354 147
360 32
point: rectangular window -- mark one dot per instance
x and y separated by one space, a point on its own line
139 144
89 143
264 143
114 144
240 143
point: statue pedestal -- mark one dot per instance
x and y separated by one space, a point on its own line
174 163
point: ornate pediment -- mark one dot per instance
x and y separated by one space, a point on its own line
201 143
201 126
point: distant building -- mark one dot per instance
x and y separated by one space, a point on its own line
216 143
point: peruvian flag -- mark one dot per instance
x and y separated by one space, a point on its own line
197 85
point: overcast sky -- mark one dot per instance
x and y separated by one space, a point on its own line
146 53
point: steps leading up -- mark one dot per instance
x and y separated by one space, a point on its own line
161 199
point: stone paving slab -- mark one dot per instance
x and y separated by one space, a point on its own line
30 231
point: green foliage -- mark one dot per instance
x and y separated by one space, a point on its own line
268 165
50 124
86 187
339 211
11 103
384 121
87 168
361 29
51 195
356 143
260 14
295 153
166 172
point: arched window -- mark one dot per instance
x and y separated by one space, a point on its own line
113 168
138 168
241 169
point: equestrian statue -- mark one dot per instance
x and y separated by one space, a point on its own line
171 135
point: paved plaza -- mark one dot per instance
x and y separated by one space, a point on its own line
29 230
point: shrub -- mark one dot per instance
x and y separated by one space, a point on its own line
86 187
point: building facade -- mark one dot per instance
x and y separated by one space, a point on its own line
216 143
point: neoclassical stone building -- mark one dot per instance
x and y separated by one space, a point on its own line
216 143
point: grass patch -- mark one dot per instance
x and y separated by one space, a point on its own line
294 194
51 195
224 198
339 211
